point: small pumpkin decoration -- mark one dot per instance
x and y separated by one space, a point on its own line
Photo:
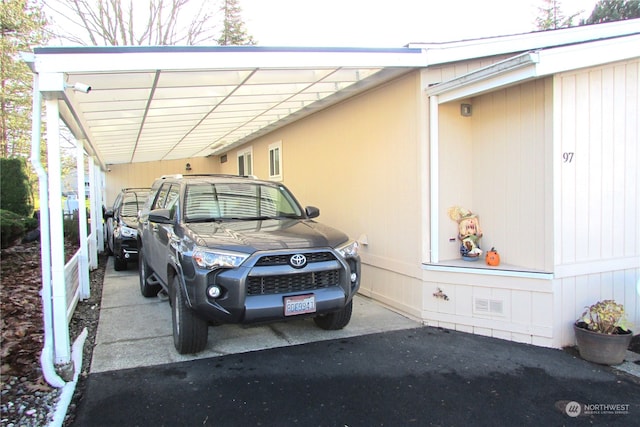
492 258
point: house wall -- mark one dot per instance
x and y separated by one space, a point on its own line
143 174
597 159
360 163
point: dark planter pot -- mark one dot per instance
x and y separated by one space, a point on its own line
600 348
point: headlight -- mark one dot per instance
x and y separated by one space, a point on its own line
205 258
128 232
348 249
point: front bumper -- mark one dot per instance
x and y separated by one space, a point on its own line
255 291
126 249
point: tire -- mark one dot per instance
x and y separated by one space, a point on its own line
144 273
189 331
119 264
107 248
336 320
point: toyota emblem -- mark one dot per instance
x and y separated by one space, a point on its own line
298 261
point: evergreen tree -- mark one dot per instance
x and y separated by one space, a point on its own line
233 31
21 27
551 17
613 10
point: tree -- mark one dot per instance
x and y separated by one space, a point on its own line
233 31
133 22
21 27
551 17
14 185
613 10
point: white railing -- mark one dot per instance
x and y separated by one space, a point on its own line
73 279
72 282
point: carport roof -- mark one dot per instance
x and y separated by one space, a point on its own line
168 102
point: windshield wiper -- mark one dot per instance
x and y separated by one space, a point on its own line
204 220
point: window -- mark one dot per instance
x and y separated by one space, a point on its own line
245 162
275 161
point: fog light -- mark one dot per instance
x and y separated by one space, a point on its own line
214 291
354 276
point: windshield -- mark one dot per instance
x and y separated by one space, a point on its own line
238 201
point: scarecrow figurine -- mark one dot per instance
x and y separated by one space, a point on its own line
469 232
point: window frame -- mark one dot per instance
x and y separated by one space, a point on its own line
242 154
275 149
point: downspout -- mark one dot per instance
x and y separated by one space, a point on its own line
46 357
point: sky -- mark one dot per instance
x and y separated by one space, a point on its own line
391 23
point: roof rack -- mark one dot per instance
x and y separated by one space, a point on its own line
204 175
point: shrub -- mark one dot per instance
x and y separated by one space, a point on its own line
14 187
12 227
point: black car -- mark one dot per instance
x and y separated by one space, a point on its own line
121 226
229 249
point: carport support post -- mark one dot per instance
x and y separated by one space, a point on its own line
61 346
95 185
434 162
83 268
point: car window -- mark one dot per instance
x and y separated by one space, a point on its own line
161 197
238 201
132 203
172 200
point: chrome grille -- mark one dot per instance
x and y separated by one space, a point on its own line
283 259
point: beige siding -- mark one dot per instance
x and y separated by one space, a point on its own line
597 252
143 174
359 162
599 205
524 309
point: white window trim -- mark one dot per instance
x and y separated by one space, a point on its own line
243 152
276 145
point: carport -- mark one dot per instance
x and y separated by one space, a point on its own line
140 104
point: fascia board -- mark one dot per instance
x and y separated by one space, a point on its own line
140 60
441 53
539 64
592 54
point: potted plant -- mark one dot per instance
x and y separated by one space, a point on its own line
603 333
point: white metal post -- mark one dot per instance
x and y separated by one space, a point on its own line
46 356
62 349
96 238
435 181
83 267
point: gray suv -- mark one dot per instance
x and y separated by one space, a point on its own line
230 249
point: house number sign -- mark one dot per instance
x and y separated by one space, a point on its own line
567 157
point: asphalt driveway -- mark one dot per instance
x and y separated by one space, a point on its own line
420 377
406 375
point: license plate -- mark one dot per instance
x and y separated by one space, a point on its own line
299 304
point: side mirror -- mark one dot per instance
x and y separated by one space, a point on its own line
108 214
161 216
312 212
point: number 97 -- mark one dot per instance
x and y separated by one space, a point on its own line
567 157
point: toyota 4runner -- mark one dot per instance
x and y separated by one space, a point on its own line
230 249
